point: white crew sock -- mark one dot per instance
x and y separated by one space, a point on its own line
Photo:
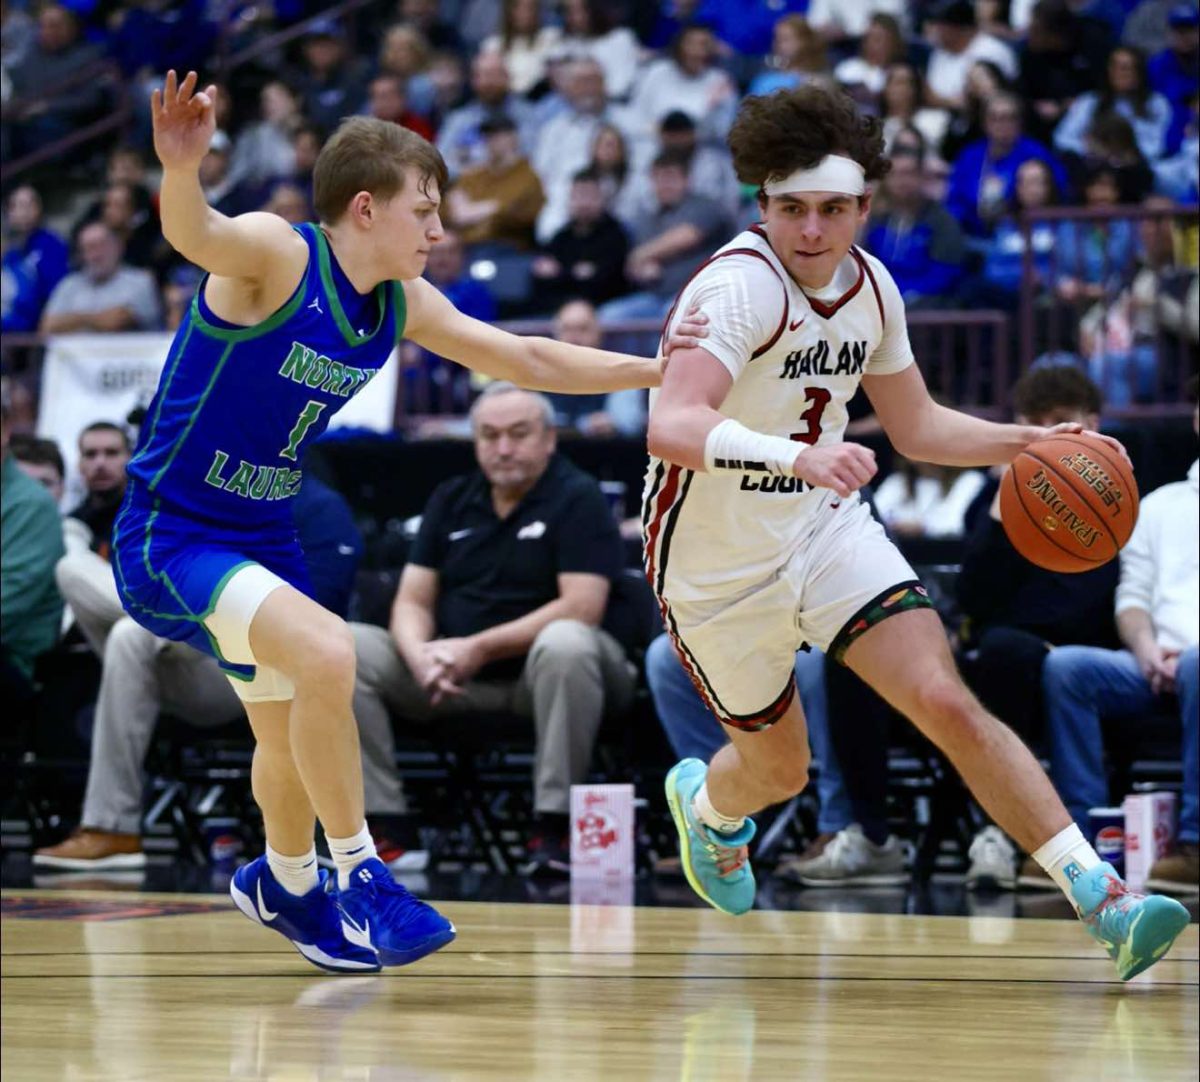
349 853
709 815
297 875
1065 857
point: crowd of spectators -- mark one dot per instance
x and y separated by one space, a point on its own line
590 177
585 140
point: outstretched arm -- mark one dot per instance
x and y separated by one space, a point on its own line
925 431
540 364
261 248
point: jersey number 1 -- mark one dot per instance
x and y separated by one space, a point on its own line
308 418
819 399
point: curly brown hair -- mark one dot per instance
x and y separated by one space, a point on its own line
1041 391
776 134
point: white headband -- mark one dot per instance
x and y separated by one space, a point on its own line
833 173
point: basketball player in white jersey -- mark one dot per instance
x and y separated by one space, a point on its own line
757 542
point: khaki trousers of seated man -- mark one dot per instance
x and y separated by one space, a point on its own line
87 585
573 675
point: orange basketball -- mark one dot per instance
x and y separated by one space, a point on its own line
1068 503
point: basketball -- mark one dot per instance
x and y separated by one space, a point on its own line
1068 503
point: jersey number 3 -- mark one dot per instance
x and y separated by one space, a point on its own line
818 398
308 418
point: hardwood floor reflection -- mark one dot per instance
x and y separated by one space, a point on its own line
556 993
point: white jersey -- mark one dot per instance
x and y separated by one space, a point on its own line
796 359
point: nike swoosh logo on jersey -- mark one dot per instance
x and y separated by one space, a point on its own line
458 535
794 325
263 911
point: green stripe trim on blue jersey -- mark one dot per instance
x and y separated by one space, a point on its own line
215 596
157 576
187 616
335 303
212 382
163 391
244 334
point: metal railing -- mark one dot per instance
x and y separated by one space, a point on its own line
224 63
104 73
1083 294
108 74
964 356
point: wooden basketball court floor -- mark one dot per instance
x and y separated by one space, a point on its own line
159 988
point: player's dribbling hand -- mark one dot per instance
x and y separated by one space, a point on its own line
184 121
843 467
1072 428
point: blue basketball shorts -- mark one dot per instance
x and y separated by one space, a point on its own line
200 583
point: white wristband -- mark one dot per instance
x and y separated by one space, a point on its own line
732 447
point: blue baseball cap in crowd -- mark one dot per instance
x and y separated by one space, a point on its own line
1183 16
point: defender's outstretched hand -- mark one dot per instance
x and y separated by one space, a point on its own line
686 335
690 329
184 121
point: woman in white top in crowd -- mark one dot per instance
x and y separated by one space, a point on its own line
900 107
798 56
524 42
839 20
263 150
918 499
588 32
1126 92
691 81
405 53
863 76
618 178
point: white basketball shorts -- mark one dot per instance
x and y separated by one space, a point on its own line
740 649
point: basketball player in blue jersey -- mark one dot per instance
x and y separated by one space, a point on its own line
288 324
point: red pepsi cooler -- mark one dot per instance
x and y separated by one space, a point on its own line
1107 830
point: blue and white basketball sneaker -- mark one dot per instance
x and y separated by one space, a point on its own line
716 865
311 923
1135 929
380 915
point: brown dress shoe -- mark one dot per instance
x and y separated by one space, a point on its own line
86 849
671 867
1177 872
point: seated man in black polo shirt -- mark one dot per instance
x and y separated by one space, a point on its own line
499 609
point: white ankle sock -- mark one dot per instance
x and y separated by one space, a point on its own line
709 815
1065 857
349 853
297 875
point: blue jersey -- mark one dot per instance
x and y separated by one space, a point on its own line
237 406
218 463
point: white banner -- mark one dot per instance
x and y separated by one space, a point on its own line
103 377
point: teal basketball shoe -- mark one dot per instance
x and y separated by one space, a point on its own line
1135 929
716 865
